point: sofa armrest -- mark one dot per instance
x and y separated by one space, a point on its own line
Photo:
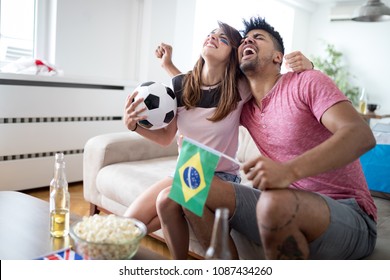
106 149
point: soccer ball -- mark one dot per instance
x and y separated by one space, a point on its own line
160 102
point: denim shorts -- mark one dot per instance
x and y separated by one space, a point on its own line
224 176
244 217
228 177
351 233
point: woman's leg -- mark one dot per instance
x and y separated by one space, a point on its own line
221 194
173 225
144 207
203 229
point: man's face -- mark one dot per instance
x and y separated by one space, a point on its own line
256 49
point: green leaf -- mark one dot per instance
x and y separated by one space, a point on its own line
333 66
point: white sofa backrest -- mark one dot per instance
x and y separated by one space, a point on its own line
246 146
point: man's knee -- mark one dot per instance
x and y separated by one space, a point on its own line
275 206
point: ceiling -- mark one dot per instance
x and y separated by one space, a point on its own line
337 1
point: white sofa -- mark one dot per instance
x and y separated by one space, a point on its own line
119 166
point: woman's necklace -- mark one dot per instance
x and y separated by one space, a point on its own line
210 87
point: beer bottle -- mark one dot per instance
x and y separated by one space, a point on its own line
363 100
219 245
59 199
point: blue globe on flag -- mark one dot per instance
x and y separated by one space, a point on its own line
191 177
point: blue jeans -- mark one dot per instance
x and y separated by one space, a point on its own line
228 177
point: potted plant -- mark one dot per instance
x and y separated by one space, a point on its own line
332 65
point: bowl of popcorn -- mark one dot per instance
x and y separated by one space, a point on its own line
107 237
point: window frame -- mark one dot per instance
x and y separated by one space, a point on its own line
43 34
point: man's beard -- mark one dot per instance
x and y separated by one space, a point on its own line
255 65
249 66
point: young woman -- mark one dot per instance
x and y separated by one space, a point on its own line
210 99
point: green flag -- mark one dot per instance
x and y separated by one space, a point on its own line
194 173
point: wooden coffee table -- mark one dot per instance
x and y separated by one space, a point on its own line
25 235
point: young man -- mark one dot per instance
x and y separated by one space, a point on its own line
314 200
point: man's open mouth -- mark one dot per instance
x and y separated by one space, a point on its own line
248 51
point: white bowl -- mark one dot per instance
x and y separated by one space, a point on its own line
108 237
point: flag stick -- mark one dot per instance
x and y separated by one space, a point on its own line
207 148
231 159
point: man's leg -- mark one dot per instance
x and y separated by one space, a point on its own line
351 233
289 220
297 224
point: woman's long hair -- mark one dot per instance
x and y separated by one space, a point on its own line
229 93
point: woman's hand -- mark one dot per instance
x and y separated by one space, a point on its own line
131 114
297 62
164 52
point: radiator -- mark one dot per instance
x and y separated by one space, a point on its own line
40 116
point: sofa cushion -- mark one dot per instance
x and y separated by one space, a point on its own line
247 148
121 182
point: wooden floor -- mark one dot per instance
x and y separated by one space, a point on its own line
81 207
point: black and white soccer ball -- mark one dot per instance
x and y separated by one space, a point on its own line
160 102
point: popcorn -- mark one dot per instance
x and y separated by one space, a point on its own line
107 237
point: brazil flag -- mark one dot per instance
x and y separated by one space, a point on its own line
194 172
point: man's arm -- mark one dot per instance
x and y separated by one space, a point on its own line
351 138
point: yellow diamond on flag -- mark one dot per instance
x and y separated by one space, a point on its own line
192 177
194 172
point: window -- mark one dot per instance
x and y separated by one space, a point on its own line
17 28
279 15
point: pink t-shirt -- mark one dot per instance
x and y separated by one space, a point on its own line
289 123
222 135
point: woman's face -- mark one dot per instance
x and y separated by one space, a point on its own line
216 47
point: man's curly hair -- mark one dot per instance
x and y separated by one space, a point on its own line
260 23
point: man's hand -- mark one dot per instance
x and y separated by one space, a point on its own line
297 62
268 174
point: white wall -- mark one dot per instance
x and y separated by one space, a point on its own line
99 38
117 39
301 30
171 22
366 47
